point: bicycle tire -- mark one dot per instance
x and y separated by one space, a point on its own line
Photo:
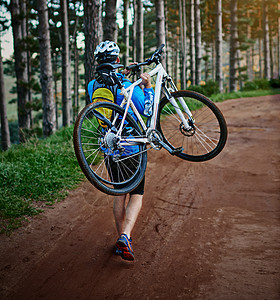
209 130
90 146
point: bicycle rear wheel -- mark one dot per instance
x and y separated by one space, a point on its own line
112 164
208 134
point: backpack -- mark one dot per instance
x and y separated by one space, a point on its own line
104 93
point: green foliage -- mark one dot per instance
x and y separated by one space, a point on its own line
257 84
13 127
275 83
211 87
40 170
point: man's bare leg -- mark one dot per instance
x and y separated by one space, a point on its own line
119 212
126 216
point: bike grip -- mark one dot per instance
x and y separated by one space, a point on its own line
131 67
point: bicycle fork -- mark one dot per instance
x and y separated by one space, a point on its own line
171 99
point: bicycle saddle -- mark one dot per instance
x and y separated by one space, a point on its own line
109 66
106 74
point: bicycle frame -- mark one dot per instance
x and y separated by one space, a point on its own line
162 77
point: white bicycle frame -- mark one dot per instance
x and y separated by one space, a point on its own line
127 93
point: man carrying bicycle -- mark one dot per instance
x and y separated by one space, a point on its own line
126 208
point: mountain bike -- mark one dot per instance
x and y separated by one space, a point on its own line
185 123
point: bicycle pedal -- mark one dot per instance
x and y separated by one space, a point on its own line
173 151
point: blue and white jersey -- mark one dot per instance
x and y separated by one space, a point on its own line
139 98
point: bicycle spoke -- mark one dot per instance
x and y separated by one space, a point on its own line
203 141
118 162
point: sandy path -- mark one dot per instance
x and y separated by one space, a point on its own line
207 230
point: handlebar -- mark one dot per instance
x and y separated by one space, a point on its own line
155 58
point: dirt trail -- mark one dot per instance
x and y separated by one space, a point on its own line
207 230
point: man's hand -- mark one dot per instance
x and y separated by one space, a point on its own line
127 72
146 80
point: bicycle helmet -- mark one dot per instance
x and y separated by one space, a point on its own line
107 51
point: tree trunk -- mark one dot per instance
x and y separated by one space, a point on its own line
166 38
219 41
109 25
271 54
66 90
29 62
46 76
140 32
239 58
249 53
93 36
278 43
266 51
213 62
5 133
192 43
135 15
126 32
253 61
197 42
182 12
260 57
233 46
207 56
76 79
55 64
160 24
21 68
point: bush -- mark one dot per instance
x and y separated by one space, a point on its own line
250 86
196 88
211 87
275 83
257 84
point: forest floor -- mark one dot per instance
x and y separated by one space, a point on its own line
206 231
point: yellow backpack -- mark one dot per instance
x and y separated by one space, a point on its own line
104 94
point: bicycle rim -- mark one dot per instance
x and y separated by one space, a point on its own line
208 133
113 167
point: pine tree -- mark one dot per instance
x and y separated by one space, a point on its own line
125 32
109 24
160 23
266 48
182 11
219 40
192 43
66 91
21 68
5 133
93 36
46 77
197 42
140 32
233 46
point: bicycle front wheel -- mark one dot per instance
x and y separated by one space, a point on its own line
113 163
207 134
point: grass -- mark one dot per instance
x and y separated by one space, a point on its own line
36 174
243 94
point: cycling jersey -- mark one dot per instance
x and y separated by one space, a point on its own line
139 98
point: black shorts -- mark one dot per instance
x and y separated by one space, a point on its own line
113 171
